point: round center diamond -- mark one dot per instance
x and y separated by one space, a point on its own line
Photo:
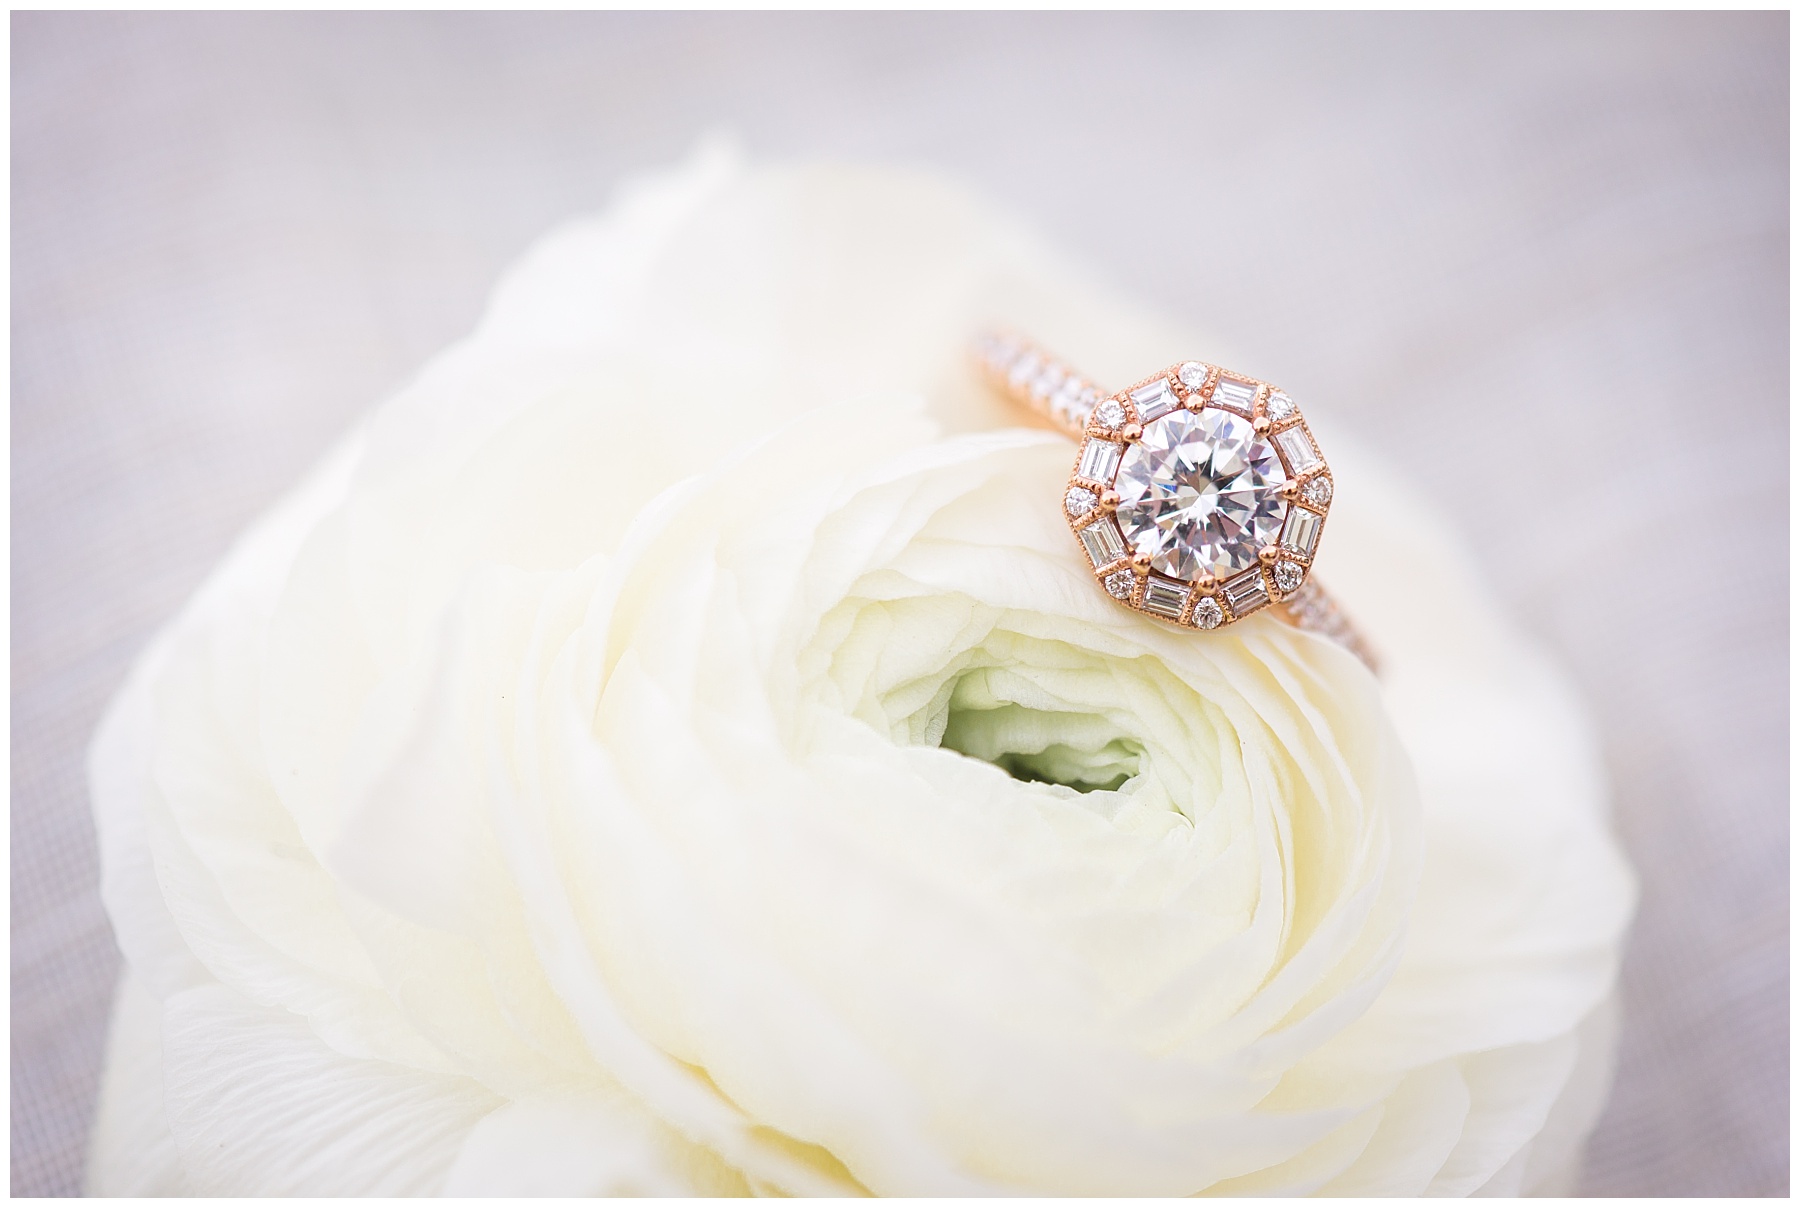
1200 494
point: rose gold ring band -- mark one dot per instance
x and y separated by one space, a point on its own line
1030 376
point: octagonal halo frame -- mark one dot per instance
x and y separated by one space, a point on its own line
1282 567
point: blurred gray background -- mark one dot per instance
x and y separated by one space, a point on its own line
1551 251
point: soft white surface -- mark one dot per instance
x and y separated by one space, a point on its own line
515 762
233 233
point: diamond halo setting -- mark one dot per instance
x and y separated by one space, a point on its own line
1199 495
1219 489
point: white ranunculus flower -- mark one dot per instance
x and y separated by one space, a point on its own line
675 746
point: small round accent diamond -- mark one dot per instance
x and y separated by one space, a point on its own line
1079 501
1192 375
1279 406
1120 584
1317 490
1208 614
1109 414
1289 576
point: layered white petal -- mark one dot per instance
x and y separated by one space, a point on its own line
676 746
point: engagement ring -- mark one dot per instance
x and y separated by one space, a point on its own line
1199 495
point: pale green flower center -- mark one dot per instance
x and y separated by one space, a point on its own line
1083 751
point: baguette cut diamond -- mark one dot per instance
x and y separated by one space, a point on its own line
1301 456
1301 532
1102 542
1232 393
1200 493
1246 593
1164 598
1099 458
1154 401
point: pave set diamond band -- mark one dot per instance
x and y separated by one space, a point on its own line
1198 496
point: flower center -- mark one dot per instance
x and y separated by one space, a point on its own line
1082 751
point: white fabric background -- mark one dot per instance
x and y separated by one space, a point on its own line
1549 252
